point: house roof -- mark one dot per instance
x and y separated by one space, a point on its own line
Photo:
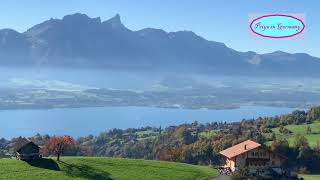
240 148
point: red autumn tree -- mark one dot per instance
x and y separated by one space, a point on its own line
58 145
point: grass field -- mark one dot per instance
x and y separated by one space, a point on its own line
300 129
209 134
101 168
310 176
148 134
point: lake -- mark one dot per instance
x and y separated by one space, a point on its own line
84 121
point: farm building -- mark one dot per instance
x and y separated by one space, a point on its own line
254 156
28 151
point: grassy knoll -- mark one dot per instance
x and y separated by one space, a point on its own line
101 168
310 176
313 137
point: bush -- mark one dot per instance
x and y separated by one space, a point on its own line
241 174
303 170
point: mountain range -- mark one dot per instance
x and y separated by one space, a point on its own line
80 41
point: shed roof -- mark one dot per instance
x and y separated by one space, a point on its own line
30 143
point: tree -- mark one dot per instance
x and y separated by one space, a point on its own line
16 143
58 145
187 136
273 137
309 130
299 116
260 138
280 146
313 114
301 141
281 129
184 135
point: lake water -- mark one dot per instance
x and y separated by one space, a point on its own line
84 121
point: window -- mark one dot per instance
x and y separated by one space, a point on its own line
243 155
272 163
252 153
257 154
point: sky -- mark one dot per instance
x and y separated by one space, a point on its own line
224 21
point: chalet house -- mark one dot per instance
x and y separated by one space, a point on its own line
252 155
28 151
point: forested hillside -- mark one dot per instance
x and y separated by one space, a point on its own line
294 135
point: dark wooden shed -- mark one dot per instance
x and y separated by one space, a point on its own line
28 151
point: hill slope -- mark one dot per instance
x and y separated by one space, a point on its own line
101 168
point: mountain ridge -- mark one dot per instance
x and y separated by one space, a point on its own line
78 40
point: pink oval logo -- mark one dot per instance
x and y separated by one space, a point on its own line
277 26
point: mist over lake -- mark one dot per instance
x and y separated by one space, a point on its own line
93 78
145 80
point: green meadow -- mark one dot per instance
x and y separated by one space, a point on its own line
96 168
310 176
312 137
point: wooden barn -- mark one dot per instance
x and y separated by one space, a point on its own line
28 151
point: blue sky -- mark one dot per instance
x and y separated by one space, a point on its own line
217 20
